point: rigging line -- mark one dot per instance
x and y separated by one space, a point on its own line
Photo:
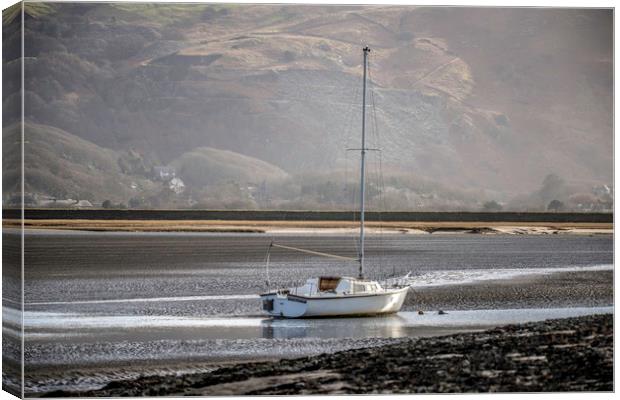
383 205
380 180
351 114
354 198
373 130
350 197
349 194
267 259
374 112
267 265
354 186
348 127
318 253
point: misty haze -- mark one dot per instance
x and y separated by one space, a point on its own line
254 107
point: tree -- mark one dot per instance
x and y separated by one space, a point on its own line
552 187
136 202
106 204
492 206
555 205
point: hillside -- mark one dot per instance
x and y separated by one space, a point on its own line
61 165
467 104
205 166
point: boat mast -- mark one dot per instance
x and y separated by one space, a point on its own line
366 50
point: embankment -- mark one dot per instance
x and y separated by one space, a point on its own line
274 215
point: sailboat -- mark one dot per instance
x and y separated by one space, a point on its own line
338 296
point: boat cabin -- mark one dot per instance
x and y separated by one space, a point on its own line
335 285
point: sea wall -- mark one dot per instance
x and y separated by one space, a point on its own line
254 215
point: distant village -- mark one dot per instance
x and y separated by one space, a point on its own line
253 195
164 174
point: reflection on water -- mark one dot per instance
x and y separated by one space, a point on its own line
410 324
392 326
46 325
71 340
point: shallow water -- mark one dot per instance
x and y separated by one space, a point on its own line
103 306
404 324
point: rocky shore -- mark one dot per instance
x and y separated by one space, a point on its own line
574 354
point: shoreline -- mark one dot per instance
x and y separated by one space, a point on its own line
570 354
315 227
563 289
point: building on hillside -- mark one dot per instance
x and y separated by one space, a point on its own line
603 191
176 185
163 173
83 204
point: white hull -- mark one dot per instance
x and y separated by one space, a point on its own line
293 306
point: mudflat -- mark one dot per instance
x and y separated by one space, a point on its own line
573 354
561 289
112 308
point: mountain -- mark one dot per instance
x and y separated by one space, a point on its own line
484 100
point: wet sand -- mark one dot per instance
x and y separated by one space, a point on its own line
137 278
562 289
574 354
508 359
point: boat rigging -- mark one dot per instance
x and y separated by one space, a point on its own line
330 296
